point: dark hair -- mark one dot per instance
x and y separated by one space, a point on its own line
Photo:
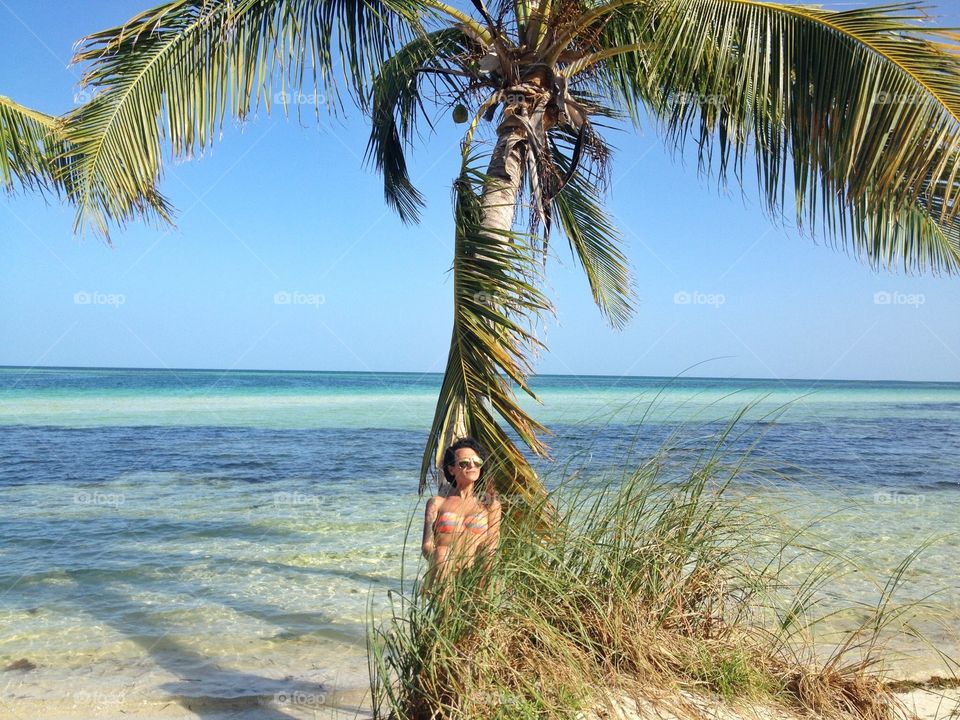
450 454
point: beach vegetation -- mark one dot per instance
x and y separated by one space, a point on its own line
850 118
659 585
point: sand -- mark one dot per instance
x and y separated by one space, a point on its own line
922 704
919 704
341 706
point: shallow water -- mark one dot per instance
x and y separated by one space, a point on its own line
216 534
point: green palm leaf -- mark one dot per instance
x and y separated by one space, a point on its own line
494 295
906 236
178 71
397 103
595 242
858 110
31 147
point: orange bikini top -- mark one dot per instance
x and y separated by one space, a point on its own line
451 522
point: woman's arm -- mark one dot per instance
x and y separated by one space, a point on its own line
429 518
494 513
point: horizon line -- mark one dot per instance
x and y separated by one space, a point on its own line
424 373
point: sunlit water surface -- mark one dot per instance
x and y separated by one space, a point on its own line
217 535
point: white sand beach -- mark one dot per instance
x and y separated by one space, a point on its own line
922 704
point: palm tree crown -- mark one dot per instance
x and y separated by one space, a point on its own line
852 117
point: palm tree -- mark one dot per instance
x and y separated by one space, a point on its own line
851 116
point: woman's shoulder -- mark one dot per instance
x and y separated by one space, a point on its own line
490 502
433 505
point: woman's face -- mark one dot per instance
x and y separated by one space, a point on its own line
465 468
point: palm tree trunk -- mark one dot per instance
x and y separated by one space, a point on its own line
506 173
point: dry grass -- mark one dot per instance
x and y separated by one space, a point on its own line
651 583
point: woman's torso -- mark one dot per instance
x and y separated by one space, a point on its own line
460 521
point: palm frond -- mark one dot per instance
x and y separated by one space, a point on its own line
178 71
491 344
890 244
595 243
858 110
620 77
32 147
397 103
567 174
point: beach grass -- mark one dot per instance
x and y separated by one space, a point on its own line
657 581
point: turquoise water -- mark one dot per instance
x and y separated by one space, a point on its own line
217 534
294 400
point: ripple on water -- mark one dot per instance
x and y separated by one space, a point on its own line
242 532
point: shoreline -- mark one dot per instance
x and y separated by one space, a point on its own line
923 703
281 686
665 379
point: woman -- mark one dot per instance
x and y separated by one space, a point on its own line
460 527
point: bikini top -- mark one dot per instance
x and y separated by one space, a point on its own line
451 522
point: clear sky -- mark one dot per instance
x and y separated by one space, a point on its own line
288 206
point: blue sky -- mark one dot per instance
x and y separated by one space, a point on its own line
286 210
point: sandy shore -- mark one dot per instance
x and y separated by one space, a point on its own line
336 706
923 704
173 711
920 704
212 692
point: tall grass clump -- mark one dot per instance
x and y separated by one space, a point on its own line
656 581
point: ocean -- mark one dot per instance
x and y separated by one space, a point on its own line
210 536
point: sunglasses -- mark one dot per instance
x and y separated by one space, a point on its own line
464 464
